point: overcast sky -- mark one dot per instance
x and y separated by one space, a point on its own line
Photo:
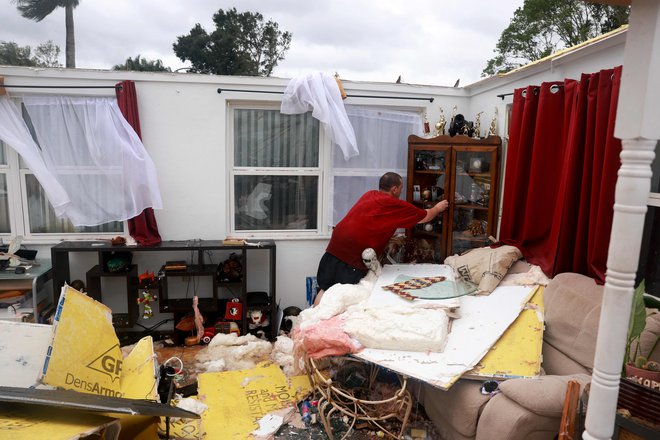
425 41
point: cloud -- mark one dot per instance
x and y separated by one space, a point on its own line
424 41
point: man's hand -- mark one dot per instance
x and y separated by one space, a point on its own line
442 205
437 209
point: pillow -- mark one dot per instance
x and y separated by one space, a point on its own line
485 266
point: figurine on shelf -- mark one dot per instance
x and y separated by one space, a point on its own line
146 299
477 126
492 131
427 126
440 125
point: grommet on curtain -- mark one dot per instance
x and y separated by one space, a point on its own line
536 91
554 88
524 93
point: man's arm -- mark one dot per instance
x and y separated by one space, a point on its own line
437 209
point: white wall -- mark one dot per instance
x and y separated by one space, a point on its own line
183 122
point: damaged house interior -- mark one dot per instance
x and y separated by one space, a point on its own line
195 257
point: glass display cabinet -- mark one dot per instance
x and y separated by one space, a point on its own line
464 171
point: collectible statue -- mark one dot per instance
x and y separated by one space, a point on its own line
492 131
427 126
477 126
440 125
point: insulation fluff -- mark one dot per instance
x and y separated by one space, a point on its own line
237 353
396 328
282 354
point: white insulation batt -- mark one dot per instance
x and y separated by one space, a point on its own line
392 328
483 319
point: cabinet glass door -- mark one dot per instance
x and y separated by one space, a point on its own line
473 204
428 184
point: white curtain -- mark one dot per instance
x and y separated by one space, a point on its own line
15 133
382 138
319 93
96 157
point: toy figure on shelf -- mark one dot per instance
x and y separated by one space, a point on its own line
146 299
258 322
477 126
427 127
492 131
440 125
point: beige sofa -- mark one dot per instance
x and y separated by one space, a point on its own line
530 409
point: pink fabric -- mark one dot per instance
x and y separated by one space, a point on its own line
326 338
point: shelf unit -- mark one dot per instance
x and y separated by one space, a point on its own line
168 302
465 171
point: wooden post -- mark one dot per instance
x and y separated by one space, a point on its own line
637 127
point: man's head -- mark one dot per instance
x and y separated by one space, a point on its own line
392 184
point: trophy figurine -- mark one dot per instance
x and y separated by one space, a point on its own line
477 126
427 126
440 125
492 131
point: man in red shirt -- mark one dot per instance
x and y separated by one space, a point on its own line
370 223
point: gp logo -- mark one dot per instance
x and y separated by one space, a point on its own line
107 364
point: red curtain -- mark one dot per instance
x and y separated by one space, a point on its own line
561 169
142 228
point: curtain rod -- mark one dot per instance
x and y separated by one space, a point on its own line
536 88
220 90
60 87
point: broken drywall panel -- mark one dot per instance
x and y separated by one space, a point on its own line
29 422
23 348
483 319
518 352
84 355
238 399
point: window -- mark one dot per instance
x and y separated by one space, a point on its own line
281 167
25 209
276 171
382 136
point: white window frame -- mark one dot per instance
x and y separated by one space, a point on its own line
322 230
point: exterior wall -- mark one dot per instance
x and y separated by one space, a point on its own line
183 121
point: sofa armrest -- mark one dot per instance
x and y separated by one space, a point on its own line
544 395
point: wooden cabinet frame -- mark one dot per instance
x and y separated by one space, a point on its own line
449 165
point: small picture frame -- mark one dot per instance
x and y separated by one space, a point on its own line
417 193
476 165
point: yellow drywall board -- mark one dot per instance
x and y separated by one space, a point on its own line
85 354
518 352
138 376
237 399
29 422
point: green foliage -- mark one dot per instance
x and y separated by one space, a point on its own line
45 55
142 65
37 10
541 27
635 328
241 44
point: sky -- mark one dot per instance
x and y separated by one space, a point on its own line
433 42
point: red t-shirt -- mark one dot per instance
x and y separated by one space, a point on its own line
370 223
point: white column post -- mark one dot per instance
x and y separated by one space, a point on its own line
638 127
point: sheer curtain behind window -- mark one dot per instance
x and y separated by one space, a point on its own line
96 156
382 138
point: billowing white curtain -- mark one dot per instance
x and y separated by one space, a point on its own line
96 156
15 133
319 93
382 138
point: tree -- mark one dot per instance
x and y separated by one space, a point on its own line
540 27
142 65
37 10
241 44
45 55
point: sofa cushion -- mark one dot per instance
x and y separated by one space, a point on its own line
572 310
557 363
543 396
